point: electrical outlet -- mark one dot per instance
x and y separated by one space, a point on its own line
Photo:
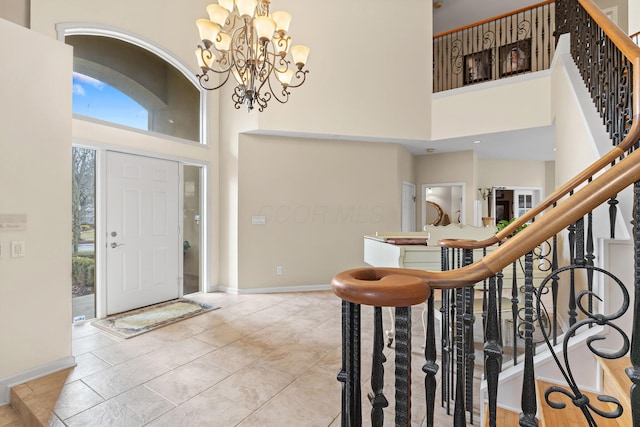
279 270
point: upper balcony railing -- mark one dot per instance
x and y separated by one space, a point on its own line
519 42
636 38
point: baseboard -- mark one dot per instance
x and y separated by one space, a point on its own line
32 374
281 289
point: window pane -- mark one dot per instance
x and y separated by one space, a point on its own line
122 83
93 98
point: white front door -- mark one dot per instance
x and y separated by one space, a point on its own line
143 247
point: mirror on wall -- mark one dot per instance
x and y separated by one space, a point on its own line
443 204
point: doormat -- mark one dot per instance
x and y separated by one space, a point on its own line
145 319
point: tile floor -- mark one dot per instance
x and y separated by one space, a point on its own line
259 360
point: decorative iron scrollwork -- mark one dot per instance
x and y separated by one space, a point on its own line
591 319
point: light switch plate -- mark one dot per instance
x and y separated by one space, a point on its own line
17 248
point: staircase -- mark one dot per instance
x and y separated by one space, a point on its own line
615 384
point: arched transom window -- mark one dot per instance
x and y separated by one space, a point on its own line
119 82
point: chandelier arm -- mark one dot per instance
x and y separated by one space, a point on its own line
300 75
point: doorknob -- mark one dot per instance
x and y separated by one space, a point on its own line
114 234
115 245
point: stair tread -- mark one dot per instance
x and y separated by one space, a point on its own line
615 370
570 415
616 383
9 417
504 418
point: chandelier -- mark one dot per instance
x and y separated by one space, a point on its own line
243 39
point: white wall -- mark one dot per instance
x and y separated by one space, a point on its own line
516 173
362 82
516 103
318 202
16 11
35 171
634 16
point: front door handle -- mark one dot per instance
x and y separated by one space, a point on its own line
115 245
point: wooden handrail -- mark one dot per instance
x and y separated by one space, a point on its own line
632 52
495 18
399 287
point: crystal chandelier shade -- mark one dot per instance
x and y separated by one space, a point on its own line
243 40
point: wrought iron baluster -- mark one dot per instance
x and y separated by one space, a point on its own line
634 371
529 402
514 310
445 335
554 287
349 375
430 367
589 257
376 397
459 418
492 352
572 285
403 366
469 353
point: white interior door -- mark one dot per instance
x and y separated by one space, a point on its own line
523 200
143 247
408 207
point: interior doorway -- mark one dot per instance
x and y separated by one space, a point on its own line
508 202
408 207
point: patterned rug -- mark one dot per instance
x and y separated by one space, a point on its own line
145 319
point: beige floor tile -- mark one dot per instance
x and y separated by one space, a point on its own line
136 407
280 411
178 353
259 360
120 378
222 335
83 329
187 381
204 412
86 365
54 421
145 403
75 398
293 359
235 356
92 342
128 349
252 387
178 331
